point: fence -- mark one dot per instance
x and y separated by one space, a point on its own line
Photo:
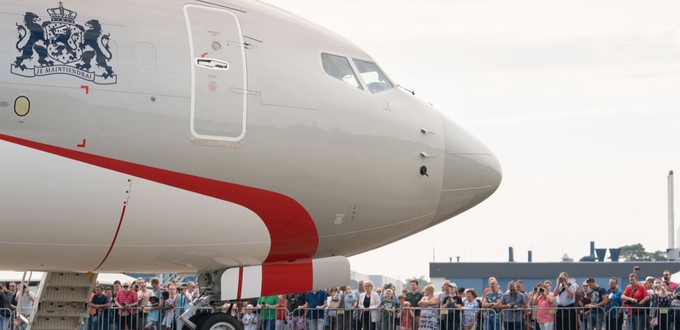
574 318
558 318
7 317
136 318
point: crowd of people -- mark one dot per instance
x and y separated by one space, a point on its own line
641 305
135 306
123 306
14 298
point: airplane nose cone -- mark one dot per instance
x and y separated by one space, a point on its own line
471 172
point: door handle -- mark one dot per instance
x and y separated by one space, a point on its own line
211 63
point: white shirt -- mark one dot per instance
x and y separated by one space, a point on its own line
563 297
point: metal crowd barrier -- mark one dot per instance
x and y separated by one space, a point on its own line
645 318
7 318
556 318
136 318
383 319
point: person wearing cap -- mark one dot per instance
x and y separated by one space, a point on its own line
644 304
448 302
598 301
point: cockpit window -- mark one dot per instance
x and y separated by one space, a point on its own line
339 68
374 78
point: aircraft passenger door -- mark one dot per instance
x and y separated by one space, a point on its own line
218 74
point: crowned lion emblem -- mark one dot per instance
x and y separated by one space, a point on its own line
62 46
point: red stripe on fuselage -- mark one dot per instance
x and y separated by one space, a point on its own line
291 229
288 277
113 242
240 283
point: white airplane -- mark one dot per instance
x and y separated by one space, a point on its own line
220 137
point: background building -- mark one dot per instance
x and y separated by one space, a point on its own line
475 275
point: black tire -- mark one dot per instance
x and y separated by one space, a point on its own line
198 320
221 321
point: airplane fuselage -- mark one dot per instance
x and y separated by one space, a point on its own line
179 136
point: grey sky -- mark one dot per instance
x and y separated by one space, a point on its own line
579 100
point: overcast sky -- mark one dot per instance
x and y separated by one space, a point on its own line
579 100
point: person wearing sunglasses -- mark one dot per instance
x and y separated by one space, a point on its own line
127 301
667 279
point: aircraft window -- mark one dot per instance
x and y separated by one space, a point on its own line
374 78
339 68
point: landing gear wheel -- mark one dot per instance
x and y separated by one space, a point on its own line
220 321
198 319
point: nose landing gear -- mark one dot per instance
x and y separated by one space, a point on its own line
214 321
205 312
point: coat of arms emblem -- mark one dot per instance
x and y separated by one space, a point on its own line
62 46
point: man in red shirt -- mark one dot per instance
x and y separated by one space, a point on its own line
127 301
631 297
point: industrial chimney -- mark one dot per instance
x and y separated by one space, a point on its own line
671 223
673 251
